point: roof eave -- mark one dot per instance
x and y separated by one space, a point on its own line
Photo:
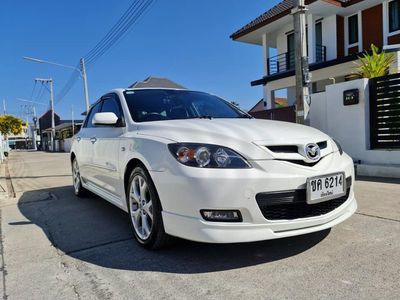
242 32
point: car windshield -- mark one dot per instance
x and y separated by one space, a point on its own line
158 105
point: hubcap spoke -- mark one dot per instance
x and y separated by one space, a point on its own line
135 217
148 208
145 226
76 176
143 188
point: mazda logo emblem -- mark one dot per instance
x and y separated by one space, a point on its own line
312 151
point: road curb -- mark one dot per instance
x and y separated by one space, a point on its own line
9 184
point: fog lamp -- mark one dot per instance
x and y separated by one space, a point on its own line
221 215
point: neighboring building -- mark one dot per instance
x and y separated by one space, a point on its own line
63 134
260 106
156 82
63 131
337 31
20 141
44 123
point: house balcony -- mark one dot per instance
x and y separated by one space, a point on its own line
286 61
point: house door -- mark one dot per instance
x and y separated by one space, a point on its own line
290 52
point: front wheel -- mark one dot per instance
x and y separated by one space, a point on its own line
79 190
145 211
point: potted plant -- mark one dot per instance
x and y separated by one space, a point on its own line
374 63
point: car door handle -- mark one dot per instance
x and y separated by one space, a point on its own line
93 140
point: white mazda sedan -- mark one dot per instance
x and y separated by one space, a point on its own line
188 164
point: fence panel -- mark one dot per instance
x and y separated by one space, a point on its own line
385 112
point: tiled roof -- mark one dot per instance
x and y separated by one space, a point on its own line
156 82
278 11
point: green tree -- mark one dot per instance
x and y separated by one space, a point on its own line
11 125
376 64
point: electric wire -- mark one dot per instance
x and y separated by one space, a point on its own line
120 28
33 90
113 29
140 9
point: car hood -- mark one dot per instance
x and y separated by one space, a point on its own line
246 136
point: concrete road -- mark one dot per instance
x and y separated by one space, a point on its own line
56 246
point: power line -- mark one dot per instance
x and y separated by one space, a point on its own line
33 90
119 34
113 29
68 86
40 92
120 28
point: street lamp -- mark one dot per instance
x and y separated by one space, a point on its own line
82 73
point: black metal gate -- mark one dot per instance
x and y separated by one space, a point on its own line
385 112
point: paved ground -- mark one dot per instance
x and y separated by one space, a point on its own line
56 246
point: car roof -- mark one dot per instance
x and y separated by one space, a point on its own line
122 90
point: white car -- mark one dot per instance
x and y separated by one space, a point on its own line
188 164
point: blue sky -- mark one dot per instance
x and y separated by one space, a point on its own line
186 41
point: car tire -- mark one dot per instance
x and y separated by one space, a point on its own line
79 190
144 208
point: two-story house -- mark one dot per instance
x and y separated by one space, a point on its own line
337 31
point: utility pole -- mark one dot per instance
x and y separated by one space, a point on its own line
85 84
73 122
27 132
4 107
81 70
34 129
53 131
301 62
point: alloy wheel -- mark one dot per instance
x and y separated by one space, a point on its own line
76 176
141 207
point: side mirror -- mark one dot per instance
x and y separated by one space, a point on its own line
105 118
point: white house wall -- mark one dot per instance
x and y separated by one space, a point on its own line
281 40
318 113
328 31
329 37
349 125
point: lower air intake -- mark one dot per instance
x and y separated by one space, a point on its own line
290 205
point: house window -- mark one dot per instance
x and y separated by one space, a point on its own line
394 15
353 29
290 60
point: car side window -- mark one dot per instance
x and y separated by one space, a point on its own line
95 109
111 104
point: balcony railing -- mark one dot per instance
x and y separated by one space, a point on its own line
286 61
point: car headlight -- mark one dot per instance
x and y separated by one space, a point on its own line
338 146
207 156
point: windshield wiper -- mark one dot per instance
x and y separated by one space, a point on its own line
245 116
205 117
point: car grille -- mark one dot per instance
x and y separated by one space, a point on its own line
292 148
290 205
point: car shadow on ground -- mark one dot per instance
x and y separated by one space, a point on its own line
92 230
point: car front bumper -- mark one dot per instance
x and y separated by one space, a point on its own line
185 191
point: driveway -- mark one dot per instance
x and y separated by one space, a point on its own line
57 246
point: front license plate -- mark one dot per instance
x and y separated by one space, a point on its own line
325 187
